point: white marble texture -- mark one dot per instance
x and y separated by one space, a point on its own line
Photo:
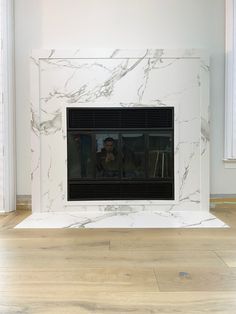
132 219
119 78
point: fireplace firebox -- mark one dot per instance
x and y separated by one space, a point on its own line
120 153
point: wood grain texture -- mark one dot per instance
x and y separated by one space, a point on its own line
229 257
83 279
122 303
107 271
226 213
196 279
207 243
68 260
10 220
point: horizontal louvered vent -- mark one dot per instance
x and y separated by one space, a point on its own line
119 118
104 191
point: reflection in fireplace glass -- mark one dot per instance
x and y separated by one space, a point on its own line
80 157
120 153
133 154
107 156
160 155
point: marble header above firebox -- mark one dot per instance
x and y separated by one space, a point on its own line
119 78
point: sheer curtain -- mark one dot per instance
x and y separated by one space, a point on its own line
230 91
7 119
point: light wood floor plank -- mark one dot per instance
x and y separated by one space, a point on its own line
13 218
83 279
53 244
38 259
226 213
175 244
107 271
180 243
116 234
122 303
229 257
196 279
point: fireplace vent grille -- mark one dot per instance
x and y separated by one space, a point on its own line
120 118
121 191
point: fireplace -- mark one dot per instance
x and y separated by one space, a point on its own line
120 153
147 108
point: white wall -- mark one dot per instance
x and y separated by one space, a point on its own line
123 24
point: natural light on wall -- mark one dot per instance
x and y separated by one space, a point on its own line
230 91
7 143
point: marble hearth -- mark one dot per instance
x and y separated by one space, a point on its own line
129 219
120 78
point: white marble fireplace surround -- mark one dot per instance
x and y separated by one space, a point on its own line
119 78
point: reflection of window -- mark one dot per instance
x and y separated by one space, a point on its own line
160 155
133 162
230 102
80 156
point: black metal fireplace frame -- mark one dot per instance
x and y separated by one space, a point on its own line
96 181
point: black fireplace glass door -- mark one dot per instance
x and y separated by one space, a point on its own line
133 155
120 153
80 161
107 155
161 155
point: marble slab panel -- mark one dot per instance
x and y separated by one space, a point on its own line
132 219
119 78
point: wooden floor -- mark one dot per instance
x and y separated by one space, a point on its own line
167 271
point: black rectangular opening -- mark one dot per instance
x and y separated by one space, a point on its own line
120 153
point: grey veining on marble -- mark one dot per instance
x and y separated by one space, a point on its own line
119 78
129 219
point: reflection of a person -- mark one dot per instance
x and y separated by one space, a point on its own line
107 159
131 163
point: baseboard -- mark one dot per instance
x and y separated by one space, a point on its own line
23 202
223 196
223 201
